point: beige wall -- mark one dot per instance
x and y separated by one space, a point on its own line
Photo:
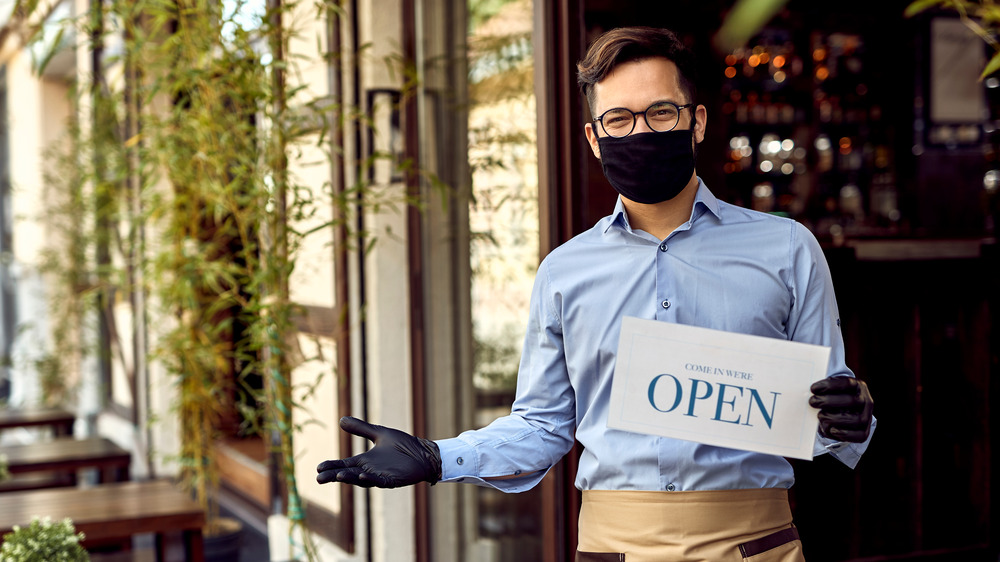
385 314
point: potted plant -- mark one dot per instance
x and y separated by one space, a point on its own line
44 541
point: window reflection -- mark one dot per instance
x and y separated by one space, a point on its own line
503 217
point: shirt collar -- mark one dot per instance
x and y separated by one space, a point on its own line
703 199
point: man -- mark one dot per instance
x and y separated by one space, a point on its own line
672 252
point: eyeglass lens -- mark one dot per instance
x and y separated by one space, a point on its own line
660 117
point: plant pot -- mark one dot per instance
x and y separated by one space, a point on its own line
222 542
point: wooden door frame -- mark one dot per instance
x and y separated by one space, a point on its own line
558 36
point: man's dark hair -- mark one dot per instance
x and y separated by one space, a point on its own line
627 44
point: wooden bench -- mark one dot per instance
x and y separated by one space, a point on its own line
60 420
110 513
55 463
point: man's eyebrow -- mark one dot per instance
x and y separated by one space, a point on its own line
600 112
664 100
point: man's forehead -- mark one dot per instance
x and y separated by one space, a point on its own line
639 83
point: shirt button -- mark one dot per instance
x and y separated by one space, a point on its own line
665 303
663 246
460 460
671 487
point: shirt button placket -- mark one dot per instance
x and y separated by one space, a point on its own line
665 303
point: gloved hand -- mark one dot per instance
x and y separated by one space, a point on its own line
845 408
397 459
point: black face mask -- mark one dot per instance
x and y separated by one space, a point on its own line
648 167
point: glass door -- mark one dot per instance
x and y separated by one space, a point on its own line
504 253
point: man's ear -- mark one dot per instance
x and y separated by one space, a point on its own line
700 123
592 139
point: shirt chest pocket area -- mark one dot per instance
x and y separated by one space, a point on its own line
746 299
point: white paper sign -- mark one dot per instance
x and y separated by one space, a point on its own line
717 388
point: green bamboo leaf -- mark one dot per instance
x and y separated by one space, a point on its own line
991 67
989 13
919 6
50 52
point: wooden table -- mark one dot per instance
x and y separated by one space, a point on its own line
57 462
112 512
60 420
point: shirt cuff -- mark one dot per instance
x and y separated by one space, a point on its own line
847 453
458 459
460 464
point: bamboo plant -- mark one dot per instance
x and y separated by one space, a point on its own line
980 16
176 187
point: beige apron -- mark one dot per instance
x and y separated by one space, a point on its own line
716 526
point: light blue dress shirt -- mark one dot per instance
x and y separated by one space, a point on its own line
727 268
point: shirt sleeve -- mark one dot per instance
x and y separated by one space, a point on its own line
514 453
815 318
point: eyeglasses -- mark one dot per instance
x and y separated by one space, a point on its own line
661 116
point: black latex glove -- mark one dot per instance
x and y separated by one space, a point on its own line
845 408
397 459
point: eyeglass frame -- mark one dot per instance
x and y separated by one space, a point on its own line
635 116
